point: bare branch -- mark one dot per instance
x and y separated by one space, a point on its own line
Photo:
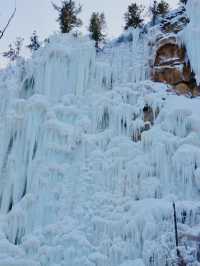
56 7
8 23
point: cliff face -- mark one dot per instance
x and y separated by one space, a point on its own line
92 152
171 64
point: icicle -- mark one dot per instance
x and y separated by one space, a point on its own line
191 38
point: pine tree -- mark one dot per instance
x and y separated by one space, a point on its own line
133 16
162 8
34 42
67 17
158 9
96 27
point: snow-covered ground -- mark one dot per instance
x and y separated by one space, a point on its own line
82 183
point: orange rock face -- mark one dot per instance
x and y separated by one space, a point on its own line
182 88
169 53
171 66
167 74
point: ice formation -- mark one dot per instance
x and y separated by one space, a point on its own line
191 36
85 178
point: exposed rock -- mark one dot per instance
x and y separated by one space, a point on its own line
175 26
182 88
168 52
148 115
175 21
167 74
171 65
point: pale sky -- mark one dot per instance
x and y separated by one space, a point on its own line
39 15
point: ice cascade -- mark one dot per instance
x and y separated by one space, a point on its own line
92 155
191 36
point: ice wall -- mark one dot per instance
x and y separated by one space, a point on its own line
92 154
129 59
191 36
65 66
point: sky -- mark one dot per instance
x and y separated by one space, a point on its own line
39 15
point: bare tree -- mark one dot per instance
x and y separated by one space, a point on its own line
13 53
2 32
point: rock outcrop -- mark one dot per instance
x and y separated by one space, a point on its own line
171 64
175 21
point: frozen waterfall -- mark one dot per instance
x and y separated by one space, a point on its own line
92 154
191 35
